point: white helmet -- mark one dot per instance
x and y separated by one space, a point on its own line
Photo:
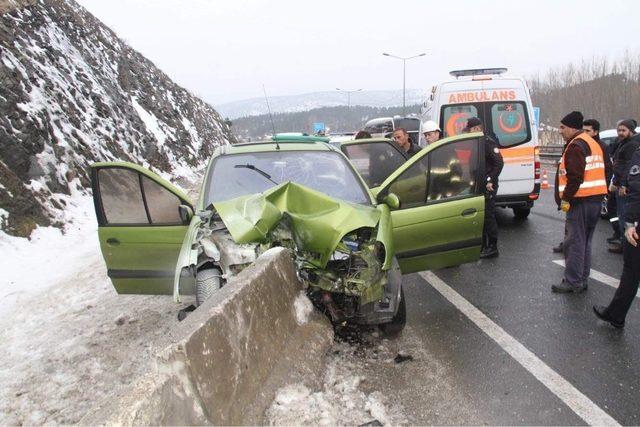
429 126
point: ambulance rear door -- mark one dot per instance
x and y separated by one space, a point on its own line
504 106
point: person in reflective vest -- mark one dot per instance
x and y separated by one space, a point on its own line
579 191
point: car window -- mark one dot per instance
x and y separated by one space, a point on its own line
448 171
452 170
378 126
329 172
374 161
407 123
121 196
162 204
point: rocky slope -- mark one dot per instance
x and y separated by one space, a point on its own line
72 93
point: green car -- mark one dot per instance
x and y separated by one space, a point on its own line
352 238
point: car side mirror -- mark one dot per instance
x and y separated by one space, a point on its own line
186 213
392 201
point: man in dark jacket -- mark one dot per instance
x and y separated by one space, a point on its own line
627 144
401 137
493 164
616 312
580 188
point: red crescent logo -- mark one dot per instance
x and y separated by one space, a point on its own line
451 127
508 129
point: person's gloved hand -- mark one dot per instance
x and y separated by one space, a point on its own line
565 206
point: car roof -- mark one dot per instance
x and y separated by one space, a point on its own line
266 146
365 140
609 133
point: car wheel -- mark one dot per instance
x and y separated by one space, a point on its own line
521 213
396 325
207 282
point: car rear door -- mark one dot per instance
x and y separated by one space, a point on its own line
374 159
439 222
139 227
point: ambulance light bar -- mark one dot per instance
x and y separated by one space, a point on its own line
477 72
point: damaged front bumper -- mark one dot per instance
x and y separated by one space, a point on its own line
341 248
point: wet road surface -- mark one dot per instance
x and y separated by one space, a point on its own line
493 345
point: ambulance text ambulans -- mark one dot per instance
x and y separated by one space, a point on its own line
504 105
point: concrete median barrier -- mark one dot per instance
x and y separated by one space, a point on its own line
224 363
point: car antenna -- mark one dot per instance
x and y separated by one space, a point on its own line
273 126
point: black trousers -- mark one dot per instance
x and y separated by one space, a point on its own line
490 227
626 292
612 212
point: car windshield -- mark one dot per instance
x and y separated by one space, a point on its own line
242 174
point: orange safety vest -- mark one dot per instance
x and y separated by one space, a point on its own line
594 182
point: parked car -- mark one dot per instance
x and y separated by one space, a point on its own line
610 135
351 244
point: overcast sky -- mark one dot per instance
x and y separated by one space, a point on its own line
225 50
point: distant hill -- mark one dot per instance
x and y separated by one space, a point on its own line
310 101
337 119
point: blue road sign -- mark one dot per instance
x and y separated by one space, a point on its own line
318 127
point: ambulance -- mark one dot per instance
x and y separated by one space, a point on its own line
503 104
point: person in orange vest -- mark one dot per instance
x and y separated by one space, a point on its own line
579 193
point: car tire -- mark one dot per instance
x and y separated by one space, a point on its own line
208 281
521 213
398 322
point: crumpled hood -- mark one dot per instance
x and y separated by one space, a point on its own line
318 222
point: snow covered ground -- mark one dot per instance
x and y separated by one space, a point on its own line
67 338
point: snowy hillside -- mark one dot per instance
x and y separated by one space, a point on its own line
309 101
72 93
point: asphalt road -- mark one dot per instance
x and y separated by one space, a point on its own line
493 345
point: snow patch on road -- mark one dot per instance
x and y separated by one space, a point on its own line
340 402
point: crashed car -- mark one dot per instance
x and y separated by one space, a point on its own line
351 244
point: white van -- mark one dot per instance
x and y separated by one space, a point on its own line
383 127
504 106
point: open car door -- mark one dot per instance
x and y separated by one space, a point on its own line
374 159
142 221
439 222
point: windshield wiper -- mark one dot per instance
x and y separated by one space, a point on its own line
260 171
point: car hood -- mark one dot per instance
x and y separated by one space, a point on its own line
318 222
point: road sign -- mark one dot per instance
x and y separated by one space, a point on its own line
536 117
318 127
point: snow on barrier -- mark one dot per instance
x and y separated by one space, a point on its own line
224 363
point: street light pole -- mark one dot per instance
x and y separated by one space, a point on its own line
348 92
404 76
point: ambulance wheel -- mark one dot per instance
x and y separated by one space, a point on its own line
521 213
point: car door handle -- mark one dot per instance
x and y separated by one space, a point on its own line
469 212
112 241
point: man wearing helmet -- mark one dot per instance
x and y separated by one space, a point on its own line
431 132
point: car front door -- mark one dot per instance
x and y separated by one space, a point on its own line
439 222
374 159
140 227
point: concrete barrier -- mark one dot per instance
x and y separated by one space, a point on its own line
224 363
